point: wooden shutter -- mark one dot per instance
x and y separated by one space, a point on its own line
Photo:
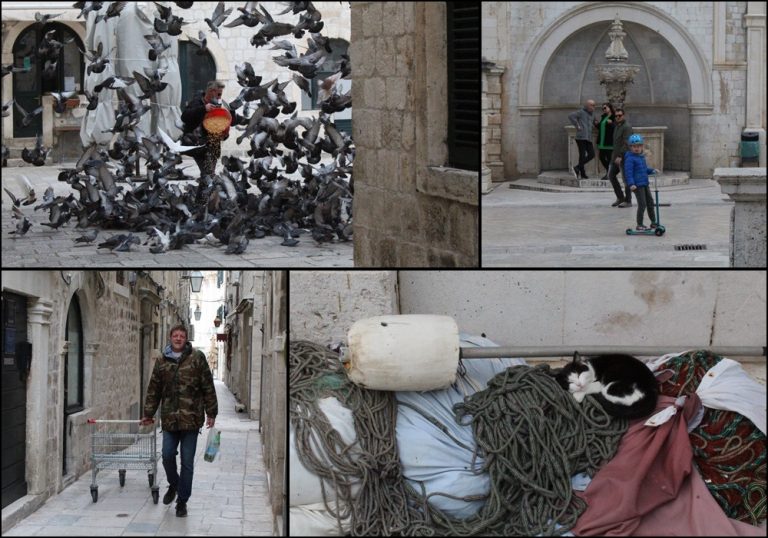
463 36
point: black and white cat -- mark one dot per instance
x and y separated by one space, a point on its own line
623 385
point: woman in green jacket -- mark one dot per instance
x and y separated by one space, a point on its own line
605 137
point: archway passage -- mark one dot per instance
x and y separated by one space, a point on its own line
659 95
29 86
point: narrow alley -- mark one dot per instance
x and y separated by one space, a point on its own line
229 495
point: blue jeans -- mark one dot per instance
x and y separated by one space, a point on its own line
188 440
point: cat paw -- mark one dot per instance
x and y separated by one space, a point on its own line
579 396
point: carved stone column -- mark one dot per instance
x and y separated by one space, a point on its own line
39 393
746 187
491 164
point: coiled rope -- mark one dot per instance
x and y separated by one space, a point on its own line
531 433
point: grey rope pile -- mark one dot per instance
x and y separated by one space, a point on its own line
381 506
531 433
534 436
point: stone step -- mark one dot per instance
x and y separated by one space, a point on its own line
562 181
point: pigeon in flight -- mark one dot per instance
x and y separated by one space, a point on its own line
218 17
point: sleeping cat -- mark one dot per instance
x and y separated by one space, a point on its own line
624 385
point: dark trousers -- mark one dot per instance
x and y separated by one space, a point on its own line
644 199
613 171
586 154
188 441
206 159
605 158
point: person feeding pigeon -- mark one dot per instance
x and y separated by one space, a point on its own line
206 123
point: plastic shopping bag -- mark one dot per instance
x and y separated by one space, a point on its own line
212 445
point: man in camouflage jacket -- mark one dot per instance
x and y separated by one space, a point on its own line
182 381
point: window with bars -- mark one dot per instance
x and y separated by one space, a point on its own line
463 38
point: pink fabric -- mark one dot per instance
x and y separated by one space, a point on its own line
649 488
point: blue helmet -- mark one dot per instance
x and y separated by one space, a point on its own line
635 139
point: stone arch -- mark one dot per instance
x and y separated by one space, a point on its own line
7 58
87 301
542 48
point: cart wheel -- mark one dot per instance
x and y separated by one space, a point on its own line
122 477
659 231
95 493
151 479
155 495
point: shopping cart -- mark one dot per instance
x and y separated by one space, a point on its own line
119 444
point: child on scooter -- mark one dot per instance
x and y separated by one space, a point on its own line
637 173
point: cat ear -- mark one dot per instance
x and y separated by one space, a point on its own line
576 356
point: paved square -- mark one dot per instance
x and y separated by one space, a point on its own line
44 247
573 228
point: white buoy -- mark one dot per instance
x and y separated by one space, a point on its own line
403 352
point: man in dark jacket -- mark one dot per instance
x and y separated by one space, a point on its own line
621 133
196 135
584 121
182 381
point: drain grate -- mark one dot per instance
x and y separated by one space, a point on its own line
690 247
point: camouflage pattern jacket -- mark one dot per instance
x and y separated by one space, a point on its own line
185 389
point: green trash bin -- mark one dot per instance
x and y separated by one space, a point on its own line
750 146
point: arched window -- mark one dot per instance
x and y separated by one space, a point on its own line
73 368
29 87
195 70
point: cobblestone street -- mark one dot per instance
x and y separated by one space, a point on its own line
44 247
229 495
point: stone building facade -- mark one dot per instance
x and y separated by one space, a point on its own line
232 46
244 298
702 76
208 300
93 337
256 366
410 208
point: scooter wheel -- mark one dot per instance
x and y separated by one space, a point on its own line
629 231
659 231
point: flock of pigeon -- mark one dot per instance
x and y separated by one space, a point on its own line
245 199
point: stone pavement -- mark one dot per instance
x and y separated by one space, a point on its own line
44 247
573 228
229 495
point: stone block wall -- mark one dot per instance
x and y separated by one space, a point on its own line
325 304
409 211
491 121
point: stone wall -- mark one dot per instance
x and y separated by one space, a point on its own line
243 321
540 308
274 414
409 210
325 304
491 121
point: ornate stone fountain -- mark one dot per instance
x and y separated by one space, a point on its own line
617 74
